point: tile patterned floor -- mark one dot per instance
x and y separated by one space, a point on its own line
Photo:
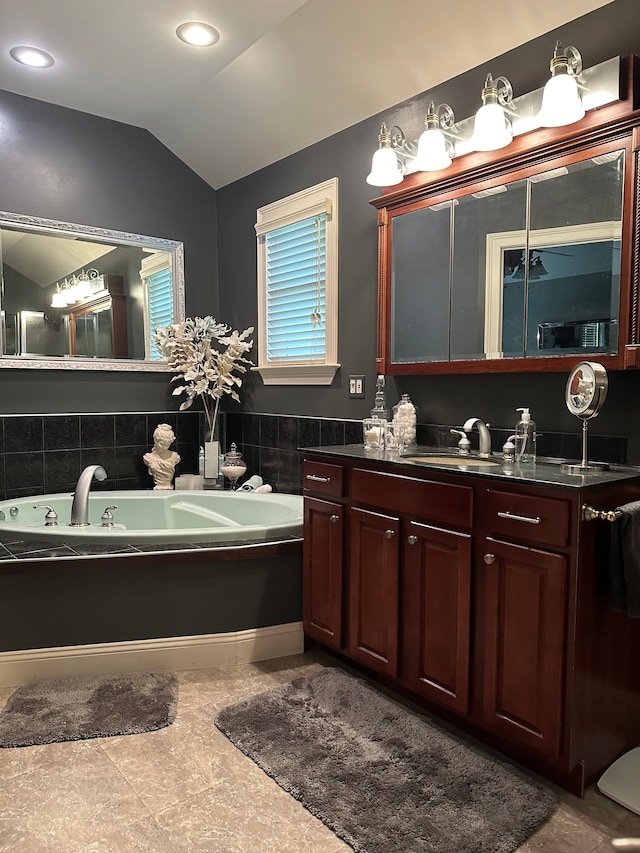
186 789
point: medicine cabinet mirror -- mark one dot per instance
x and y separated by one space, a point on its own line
125 285
522 265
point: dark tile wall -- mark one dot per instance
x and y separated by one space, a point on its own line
41 454
45 454
269 443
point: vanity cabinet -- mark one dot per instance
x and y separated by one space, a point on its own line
525 605
374 590
322 571
524 594
481 597
437 614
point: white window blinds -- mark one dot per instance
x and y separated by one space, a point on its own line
296 292
158 296
297 265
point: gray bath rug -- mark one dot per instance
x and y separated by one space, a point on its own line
87 707
382 777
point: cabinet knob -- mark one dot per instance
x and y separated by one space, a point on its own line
389 534
489 558
412 539
334 519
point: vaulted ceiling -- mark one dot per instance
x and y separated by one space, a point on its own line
284 74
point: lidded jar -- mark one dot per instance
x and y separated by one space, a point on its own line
404 412
233 466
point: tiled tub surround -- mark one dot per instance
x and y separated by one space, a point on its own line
42 454
46 453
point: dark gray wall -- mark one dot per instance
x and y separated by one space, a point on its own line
75 167
612 30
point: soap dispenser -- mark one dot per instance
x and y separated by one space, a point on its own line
525 433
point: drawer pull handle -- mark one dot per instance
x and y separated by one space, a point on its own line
412 539
317 479
334 519
389 534
489 558
526 518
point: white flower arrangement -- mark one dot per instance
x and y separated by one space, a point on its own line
206 357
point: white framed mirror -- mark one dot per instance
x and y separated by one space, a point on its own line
78 297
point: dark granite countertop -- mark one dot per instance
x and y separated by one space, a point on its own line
542 472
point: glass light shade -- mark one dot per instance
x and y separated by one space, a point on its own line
561 102
492 129
432 153
385 171
58 300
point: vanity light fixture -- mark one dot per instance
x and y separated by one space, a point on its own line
568 94
385 168
34 57
198 34
492 129
434 149
561 101
77 288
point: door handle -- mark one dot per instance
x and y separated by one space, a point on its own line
489 558
412 539
334 519
389 534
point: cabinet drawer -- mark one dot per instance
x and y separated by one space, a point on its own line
528 517
429 499
322 478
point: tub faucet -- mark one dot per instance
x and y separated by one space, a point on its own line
483 431
80 506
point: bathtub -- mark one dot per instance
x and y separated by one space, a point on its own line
148 517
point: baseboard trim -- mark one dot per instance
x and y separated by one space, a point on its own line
177 653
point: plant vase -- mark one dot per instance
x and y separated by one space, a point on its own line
211 460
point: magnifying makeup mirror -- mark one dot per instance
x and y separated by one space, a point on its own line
585 395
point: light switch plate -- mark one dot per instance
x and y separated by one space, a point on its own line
356 386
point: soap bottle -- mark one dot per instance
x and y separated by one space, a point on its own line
525 433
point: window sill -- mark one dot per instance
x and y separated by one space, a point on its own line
298 374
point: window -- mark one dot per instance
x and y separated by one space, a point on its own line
298 287
157 280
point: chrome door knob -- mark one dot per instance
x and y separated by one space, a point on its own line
489 558
412 539
389 534
334 519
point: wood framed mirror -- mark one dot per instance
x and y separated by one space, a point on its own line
522 259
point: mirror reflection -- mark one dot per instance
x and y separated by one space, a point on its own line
85 297
527 268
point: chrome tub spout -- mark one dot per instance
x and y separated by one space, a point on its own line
483 431
80 506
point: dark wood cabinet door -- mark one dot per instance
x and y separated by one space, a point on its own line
525 642
322 598
374 585
437 614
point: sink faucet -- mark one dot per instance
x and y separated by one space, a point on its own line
80 506
483 431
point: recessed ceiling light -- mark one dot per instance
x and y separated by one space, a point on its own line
197 33
32 56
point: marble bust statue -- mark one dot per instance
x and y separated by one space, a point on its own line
161 461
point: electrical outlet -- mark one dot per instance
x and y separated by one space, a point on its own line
356 386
